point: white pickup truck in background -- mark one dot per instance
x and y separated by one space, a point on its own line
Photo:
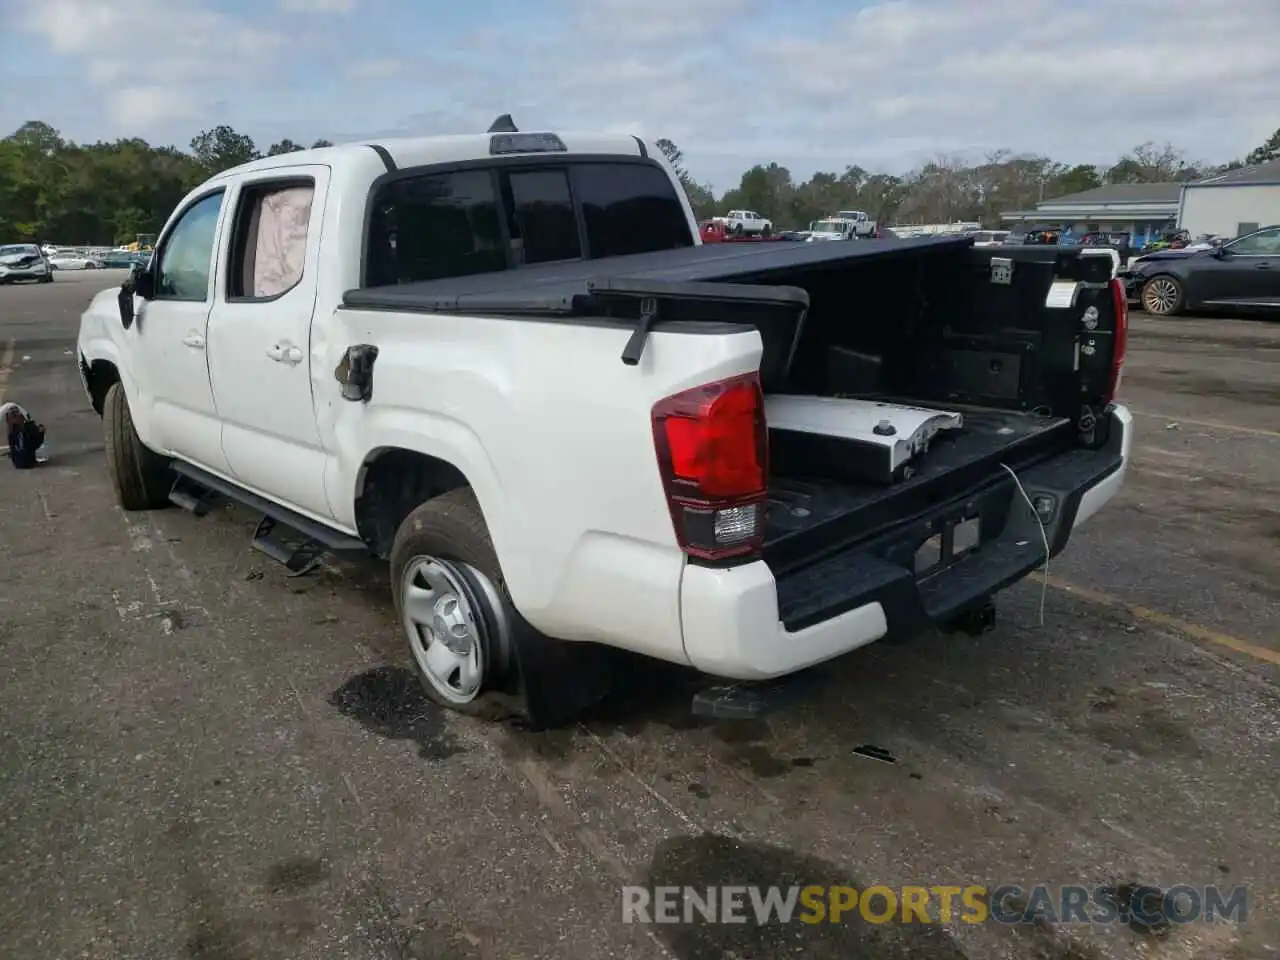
861 225
505 364
746 221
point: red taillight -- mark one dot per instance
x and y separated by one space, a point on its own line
713 453
1120 338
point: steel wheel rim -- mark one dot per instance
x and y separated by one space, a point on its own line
443 628
1160 296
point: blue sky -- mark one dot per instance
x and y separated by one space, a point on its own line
885 84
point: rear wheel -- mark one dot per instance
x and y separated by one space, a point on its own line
472 650
1162 296
449 593
737 228
91 266
141 476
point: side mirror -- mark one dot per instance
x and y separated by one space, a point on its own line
139 283
1220 253
144 282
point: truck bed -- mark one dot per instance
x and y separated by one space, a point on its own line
557 288
809 512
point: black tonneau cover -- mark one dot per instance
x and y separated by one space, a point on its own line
567 287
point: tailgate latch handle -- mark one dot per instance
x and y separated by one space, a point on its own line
634 349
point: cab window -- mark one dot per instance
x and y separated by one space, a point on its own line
185 263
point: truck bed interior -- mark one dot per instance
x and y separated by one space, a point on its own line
931 322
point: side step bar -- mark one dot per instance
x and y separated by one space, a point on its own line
296 541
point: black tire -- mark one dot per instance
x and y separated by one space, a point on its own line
767 231
1163 296
141 476
530 678
91 266
47 278
737 228
451 528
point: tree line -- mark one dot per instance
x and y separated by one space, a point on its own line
107 193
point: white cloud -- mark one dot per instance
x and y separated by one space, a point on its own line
189 54
318 6
883 83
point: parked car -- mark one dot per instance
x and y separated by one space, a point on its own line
123 259
747 221
64 260
831 228
24 261
604 436
1043 235
989 238
864 228
714 231
1240 273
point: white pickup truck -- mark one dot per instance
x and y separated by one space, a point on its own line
505 363
746 221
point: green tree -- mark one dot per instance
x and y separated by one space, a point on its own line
221 148
284 146
321 143
1268 150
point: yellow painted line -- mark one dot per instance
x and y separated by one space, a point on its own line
1178 625
6 365
1214 425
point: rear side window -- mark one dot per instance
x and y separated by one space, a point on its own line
540 212
270 239
486 219
434 226
629 208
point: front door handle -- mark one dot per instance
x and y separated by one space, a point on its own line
194 340
1263 266
281 354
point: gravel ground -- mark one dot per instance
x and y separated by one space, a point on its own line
203 758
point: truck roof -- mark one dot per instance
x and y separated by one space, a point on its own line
458 148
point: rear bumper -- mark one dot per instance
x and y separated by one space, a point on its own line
744 624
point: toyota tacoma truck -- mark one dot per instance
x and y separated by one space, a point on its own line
505 364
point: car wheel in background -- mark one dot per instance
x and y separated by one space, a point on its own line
1162 296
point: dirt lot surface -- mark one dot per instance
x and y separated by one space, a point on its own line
203 758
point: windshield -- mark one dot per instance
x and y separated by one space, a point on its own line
17 248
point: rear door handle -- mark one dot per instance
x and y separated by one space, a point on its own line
1263 266
194 340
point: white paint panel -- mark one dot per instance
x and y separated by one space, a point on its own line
1220 210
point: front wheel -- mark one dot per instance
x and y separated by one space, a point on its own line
140 475
91 266
1162 296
